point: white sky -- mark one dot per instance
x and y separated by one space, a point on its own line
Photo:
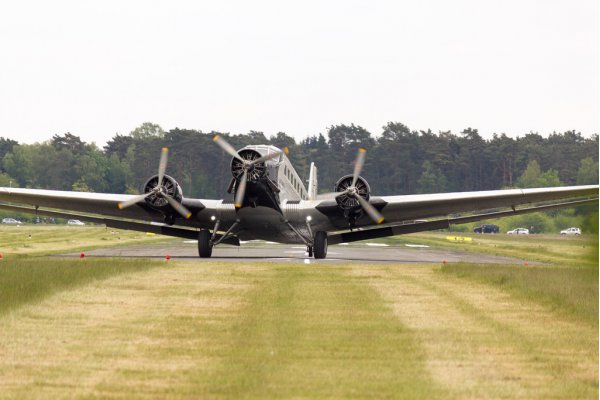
102 67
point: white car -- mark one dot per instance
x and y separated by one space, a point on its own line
571 231
11 221
518 231
75 222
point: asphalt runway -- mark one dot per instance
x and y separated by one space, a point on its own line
372 253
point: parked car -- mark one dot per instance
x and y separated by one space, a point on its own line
75 222
518 231
571 231
487 228
11 221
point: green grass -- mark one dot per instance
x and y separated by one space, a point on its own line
317 333
569 290
27 280
564 251
114 328
40 240
567 281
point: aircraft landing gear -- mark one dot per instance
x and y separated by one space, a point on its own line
309 249
204 243
320 245
169 219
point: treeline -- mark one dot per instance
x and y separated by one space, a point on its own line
399 160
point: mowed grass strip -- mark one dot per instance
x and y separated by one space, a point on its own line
208 330
315 332
573 291
132 336
27 280
484 342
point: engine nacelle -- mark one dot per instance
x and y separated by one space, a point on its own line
170 187
347 202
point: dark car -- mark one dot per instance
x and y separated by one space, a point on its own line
487 228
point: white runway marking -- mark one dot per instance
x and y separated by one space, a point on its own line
416 245
378 244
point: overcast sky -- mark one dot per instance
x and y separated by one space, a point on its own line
99 68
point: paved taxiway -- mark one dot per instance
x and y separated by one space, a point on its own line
271 252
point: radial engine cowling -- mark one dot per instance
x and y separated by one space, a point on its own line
348 201
170 187
255 172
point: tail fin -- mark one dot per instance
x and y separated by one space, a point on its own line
312 182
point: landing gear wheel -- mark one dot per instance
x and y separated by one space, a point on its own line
169 219
204 245
309 249
320 244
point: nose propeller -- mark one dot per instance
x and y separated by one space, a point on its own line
247 165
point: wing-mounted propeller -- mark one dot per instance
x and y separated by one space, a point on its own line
352 191
161 191
247 165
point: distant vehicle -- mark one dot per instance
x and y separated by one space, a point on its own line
487 228
571 231
75 222
518 231
11 221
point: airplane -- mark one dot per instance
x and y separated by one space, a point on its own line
270 202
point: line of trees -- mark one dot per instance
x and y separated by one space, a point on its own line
399 160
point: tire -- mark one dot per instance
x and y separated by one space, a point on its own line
320 245
310 251
204 245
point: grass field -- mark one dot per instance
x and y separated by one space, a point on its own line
55 239
564 251
111 328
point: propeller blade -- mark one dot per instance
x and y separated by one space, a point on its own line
162 166
358 165
185 213
241 191
227 147
269 156
373 213
330 196
133 200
